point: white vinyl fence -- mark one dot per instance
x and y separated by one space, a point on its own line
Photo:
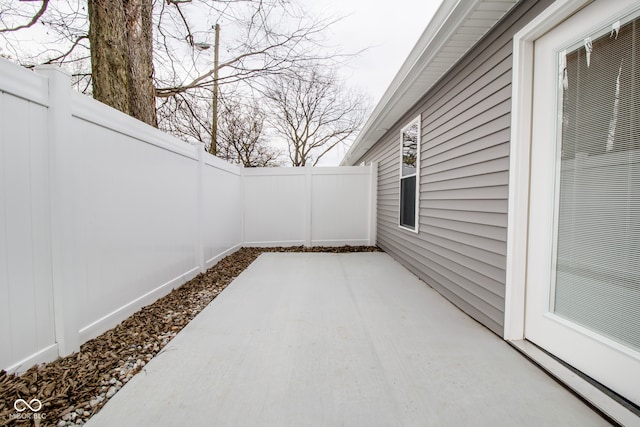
101 214
309 206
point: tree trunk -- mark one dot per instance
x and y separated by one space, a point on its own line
142 93
121 56
107 35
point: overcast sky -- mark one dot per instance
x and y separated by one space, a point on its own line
389 29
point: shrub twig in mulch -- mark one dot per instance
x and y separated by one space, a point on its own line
73 388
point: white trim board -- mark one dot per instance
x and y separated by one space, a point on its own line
214 260
585 390
45 355
519 160
415 121
114 318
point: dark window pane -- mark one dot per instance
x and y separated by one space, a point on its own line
408 202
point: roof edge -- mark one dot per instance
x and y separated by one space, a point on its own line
445 23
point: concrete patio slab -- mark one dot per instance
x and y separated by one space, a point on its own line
316 339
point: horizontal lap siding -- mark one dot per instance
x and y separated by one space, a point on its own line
461 247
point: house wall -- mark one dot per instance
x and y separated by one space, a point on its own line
461 247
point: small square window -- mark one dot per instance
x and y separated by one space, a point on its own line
409 176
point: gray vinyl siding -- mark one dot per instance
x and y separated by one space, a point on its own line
464 175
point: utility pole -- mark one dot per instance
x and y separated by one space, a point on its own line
214 122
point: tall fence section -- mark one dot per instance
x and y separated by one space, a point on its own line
101 214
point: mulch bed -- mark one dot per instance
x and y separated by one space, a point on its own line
74 388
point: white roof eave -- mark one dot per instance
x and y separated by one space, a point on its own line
456 27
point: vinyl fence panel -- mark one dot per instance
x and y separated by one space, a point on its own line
308 206
274 208
26 296
340 206
222 209
131 216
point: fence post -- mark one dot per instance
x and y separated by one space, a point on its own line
308 218
58 132
242 204
373 203
200 210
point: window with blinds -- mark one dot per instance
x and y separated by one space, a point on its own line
597 254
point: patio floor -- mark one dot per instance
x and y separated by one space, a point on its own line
316 339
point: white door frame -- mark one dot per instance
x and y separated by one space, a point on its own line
519 160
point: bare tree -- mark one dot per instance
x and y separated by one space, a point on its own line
241 126
241 136
262 38
29 17
121 56
140 71
60 32
187 116
313 112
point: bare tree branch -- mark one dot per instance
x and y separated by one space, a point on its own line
189 36
33 21
64 56
314 113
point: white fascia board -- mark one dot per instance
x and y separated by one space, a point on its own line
404 91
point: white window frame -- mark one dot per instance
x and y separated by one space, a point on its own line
417 120
519 160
